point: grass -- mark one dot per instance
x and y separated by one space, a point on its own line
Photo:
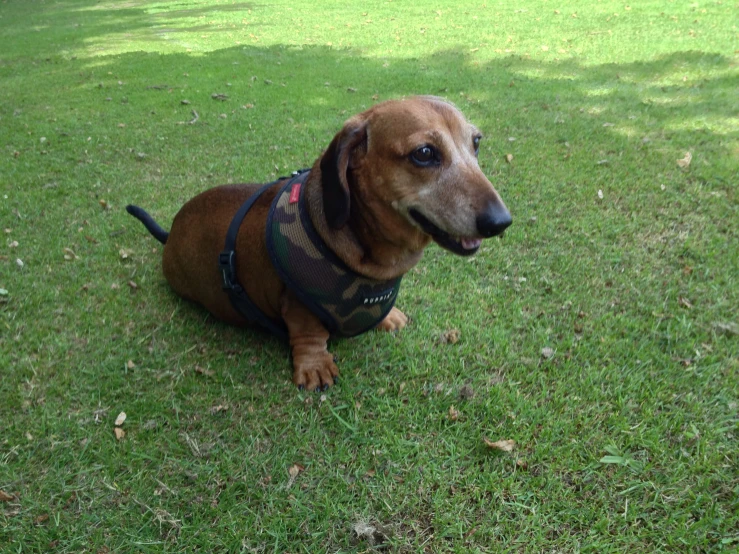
622 262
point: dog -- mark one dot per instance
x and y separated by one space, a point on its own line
322 253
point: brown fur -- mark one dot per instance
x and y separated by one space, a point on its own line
359 195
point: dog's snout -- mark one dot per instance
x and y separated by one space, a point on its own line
493 221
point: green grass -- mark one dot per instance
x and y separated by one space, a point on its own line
627 437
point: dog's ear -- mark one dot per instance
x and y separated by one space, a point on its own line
336 164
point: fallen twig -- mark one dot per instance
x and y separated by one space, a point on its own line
191 122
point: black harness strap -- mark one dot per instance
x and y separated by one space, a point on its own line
227 264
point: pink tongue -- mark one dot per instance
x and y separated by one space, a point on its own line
471 244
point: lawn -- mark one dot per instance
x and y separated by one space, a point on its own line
601 333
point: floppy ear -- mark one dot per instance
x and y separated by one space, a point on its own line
335 166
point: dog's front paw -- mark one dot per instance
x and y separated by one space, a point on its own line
393 321
318 372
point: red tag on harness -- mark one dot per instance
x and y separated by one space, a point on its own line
294 193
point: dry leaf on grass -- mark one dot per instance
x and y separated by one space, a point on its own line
453 413
726 328
120 419
685 162
119 433
293 472
450 337
5 497
374 535
509 158
502 445
203 371
220 408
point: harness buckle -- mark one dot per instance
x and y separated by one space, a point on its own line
228 270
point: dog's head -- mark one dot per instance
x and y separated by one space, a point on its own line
412 165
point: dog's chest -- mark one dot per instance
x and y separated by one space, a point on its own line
346 303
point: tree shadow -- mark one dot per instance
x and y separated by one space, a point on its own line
74 25
679 96
641 115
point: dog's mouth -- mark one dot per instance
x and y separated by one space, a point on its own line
464 246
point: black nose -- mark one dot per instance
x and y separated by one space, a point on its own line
493 221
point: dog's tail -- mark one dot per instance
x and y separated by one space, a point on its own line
152 226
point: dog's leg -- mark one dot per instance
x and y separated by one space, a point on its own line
313 365
394 321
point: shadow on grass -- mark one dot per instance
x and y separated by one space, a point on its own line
684 96
114 134
572 129
74 25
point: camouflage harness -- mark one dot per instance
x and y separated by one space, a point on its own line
346 302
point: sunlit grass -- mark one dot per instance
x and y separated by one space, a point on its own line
620 260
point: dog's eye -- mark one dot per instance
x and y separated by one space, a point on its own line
476 144
424 156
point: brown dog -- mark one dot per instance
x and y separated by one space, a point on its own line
396 176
